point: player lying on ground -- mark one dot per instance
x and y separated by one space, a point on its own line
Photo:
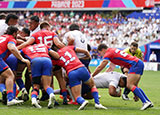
111 80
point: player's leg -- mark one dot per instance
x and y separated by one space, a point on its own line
87 79
62 84
9 80
35 91
75 85
20 82
94 93
134 75
126 90
132 82
46 80
76 91
36 67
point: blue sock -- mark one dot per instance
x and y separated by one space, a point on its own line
64 93
138 93
20 83
34 94
2 87
144 95
14 90
95 95
49 90
80 100
10 95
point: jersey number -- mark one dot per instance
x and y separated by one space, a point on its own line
37 49
2 39
70 58
47 40
122 53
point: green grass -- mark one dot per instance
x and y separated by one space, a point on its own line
116 106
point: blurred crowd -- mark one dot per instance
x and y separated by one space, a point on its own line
116 31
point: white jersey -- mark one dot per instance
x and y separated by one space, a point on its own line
104 80
34 31
79 40
3 27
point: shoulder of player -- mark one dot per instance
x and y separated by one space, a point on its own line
139 50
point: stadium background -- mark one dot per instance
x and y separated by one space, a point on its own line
102 21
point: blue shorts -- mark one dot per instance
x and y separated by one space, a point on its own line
78 75
41 66
137 68
12 62
3 65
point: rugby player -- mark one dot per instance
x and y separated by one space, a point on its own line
41 67
77 72
134 51
134 64
7 45
77 38
45 36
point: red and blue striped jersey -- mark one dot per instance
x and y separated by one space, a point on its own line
120 58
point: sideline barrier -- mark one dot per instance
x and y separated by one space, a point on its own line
154 66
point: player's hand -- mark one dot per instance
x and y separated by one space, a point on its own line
118 90
27 62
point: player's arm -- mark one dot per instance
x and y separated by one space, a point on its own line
54 54
58 43
80 50
13 49
70 40
111 67
113 92
100 67
27 43
19 41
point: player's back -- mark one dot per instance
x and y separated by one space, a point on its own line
37 50
80 40
44 37
120 58
68 59
4 40
103 80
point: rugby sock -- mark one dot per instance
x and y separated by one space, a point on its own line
64 93
14 90
20 83
80 100
95 95
34 93
2 87
138 93
10 95
49 90
144 94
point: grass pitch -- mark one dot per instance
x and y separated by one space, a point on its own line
150 83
